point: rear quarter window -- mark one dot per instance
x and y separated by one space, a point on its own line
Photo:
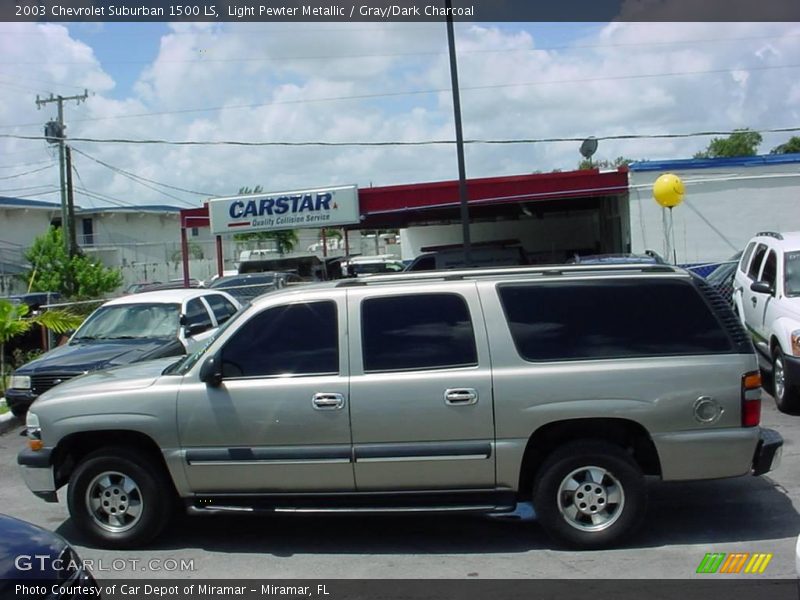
610 319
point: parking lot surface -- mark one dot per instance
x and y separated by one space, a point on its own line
684 522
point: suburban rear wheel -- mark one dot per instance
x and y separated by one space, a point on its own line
119 499
785 389
589 494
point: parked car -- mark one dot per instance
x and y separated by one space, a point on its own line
482 254
130 329
247 286
649 257
471 391
766 296
359 266
32 555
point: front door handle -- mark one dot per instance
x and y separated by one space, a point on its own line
460 396
754 301
327 401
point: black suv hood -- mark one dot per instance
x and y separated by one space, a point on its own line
101 354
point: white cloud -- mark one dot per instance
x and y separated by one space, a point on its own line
280 82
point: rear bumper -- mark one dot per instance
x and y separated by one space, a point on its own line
768 452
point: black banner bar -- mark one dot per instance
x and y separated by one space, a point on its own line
398 10
746 587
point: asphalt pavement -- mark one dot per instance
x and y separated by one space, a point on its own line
684 522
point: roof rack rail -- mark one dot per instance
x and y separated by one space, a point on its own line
480 272
772 234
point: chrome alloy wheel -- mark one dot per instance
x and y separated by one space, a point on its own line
779 377
590 499
114 501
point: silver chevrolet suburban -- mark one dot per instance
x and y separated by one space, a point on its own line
454 391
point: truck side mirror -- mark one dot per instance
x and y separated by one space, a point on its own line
762 287
211 371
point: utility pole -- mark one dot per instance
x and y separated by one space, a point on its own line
462 171
54 133
71 233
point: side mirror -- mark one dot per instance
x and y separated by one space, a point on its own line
211 371
762 287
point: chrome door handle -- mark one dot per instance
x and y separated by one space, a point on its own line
460 396
326 401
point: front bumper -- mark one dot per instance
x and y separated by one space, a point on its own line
768 452
38 473
20 400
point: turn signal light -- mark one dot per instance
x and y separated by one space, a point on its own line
751 399
35 445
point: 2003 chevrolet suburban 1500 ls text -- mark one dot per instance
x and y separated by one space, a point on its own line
454 391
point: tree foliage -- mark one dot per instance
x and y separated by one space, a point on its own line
790 147
285 240
602 163
76 277
742 142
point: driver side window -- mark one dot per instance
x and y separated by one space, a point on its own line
292 340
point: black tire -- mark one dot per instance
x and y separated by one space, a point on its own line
785 390
617 501
124 480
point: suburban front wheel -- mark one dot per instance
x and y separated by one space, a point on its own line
119 499
786 390
589 494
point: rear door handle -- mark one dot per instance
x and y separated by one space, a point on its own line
754 300
460 396
327 401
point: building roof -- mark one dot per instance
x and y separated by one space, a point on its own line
154 208
682 164
27 203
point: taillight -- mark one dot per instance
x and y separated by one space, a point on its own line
751 399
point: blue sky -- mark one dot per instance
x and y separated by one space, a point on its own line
341 82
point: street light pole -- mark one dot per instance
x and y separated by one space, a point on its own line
462 174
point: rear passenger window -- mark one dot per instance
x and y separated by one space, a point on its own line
196 313
755 264
425 331
298 339
610 319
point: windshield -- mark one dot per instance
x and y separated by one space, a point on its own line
187 362
791 273
131 321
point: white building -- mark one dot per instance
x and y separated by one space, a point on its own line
727 201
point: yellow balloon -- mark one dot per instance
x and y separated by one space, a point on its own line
668 190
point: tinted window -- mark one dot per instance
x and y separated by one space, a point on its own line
222 308
426 263
610 319
746 256
791 272
196 313
770 271
298 339
426 331
755 265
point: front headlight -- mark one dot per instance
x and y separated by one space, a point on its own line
34 431
795 337
20 382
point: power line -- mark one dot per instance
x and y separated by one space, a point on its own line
138 179
425 92
30 164
27 172
631 136
166 185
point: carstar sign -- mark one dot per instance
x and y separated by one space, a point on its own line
301 209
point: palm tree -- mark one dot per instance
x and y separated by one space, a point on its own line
14 321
